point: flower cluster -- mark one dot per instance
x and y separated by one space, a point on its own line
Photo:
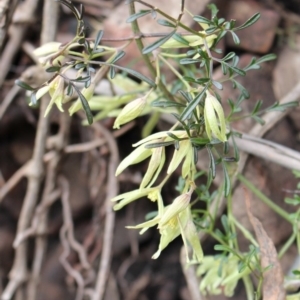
220 275
174 219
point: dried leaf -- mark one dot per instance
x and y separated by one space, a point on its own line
273 277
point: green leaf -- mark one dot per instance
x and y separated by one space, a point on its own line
200 141
236 151
138 15
187 61
212 163
24 85
230 55
193 104
187 96
98 40
225 147
249 22
214 9
283 107
136 74
69 90
165 23
159 103
159 144
177 37
224 221
222 248
173 136
227 183
112 72
267 57
85 105
244 92
292 201
53 69
257 107
258 120
202 81
118 57
201 19
80 66
33 99
235 38
211 29
158 43
224 68
81 79
72 8
189 79
217 84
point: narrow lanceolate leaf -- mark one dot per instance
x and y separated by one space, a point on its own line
166 104
249 22
138 15
53 69
230 55
112 72
193 104
98 39
235 38
238 71
166 23
283 107
201 19
85 106
267 57
212 164
217 84
24 85
118 57
33 99
157 43
136 74
227 184
180 39
159 144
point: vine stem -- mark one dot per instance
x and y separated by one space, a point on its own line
139 43
264 198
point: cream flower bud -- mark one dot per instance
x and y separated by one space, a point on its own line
47 49
56 91
129 197
185 148
192 237
136 156
214 118
131 111
155 165
179 204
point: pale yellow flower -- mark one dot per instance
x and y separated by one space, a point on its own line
214 118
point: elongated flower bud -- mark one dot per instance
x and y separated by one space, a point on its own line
214 118
131 111
179 204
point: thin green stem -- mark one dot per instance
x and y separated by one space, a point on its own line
231 223
245 232
248 287
264 198
170 18
287 245
175 72
139 43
